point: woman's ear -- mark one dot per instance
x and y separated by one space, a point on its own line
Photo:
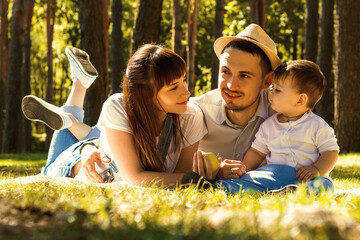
268 80
303 99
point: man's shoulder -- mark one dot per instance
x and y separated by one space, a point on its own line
266 111
212 97
192 109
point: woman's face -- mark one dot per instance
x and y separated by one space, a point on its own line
173 98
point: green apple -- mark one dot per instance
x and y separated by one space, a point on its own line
213 160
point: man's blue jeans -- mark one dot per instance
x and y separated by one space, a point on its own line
64 150
273 177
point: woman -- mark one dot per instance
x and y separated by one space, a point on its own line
149 132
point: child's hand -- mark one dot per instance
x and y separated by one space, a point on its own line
231 169
307 173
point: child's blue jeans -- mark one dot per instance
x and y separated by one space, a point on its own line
273 177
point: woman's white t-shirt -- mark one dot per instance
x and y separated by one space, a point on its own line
113 115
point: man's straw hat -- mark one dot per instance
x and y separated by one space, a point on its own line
255 34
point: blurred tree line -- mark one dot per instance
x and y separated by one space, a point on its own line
34 34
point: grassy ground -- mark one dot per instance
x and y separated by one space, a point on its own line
54 210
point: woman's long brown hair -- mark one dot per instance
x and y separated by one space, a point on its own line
149 69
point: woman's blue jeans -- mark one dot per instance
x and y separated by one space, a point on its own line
273 177
64 150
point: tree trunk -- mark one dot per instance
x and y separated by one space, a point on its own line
258 12
147 23
218 28
311 29
26 130
176 27
50 21
117 60
13 113
347 75
94 24
325 107
191 40
295 43
4 41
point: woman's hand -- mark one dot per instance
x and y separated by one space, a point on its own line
229 169
90 155
202 166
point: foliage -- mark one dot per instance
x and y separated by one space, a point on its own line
283 16
58 210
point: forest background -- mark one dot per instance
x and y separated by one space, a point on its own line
34 34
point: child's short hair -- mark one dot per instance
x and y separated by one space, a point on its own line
306 76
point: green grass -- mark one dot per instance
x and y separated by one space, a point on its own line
18 165
51 210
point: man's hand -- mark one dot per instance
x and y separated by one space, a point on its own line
231 169
90 155
305 174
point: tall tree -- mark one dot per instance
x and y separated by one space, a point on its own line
50 21
4 41
26 130
117 60
191 42
218 28
176 27
311 29
11 141
325 108
94 25
147 23
258 12
347 75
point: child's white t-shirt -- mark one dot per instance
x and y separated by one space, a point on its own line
296 143
113 115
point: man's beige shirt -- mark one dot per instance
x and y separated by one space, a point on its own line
227 140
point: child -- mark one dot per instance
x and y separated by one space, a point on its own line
294 137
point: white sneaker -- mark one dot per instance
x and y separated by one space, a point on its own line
36 109
284 190
80 66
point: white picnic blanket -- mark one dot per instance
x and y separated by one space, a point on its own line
60 181
74 182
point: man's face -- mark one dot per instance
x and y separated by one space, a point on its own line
240 79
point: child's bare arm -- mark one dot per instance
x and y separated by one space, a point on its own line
253 158
326 162
321 167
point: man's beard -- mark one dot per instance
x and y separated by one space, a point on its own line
240 108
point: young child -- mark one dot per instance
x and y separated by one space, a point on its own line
295 136
295 139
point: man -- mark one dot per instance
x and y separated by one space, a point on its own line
234 111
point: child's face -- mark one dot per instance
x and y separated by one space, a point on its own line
284 97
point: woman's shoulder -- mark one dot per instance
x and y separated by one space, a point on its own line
116 100
116 97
